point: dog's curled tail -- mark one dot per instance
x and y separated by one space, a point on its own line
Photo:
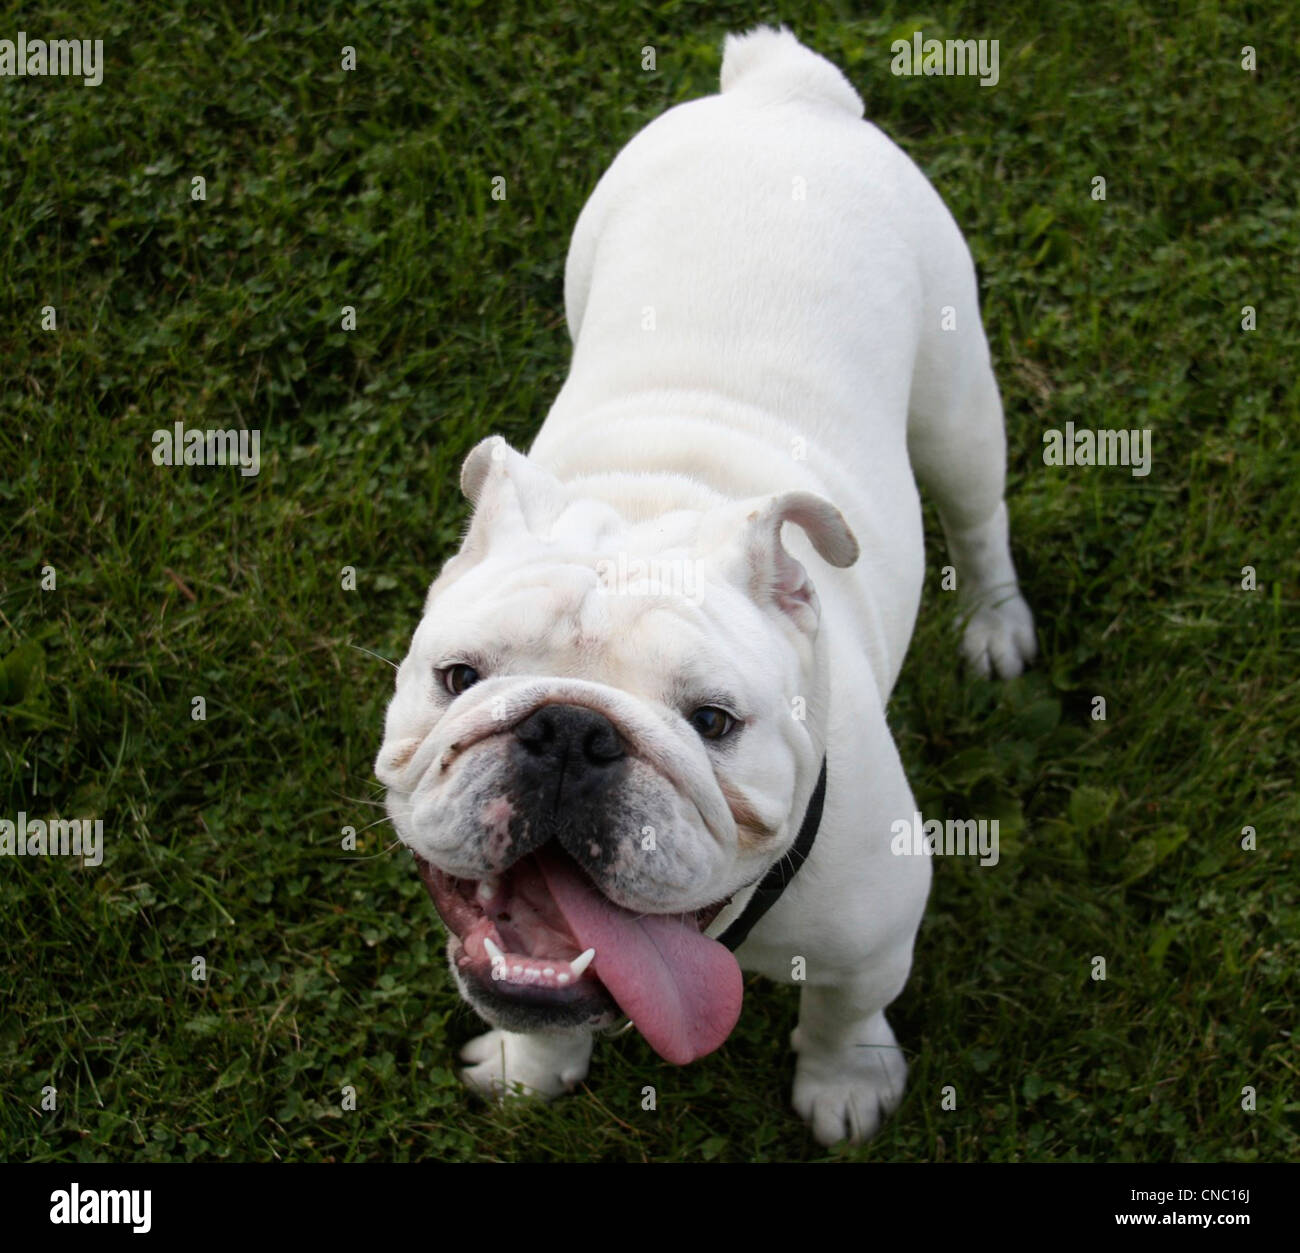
772 65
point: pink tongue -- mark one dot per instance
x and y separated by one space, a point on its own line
681 989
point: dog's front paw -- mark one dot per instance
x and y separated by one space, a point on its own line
999 636
844 1096
506 1063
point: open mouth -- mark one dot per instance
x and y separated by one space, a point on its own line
543 933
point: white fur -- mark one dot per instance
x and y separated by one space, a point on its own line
756 291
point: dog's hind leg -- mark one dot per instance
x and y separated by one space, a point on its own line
957 446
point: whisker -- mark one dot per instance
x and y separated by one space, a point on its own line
375 655
383 852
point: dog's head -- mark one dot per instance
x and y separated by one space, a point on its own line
605 731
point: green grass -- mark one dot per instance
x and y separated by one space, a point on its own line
371 189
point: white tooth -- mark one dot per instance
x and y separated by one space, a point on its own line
494 953
562 977
549 971
581 962
487 889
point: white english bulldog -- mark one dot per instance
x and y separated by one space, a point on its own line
639 741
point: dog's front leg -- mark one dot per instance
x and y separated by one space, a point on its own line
851 1071
508 1063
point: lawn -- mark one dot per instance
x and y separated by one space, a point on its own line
127 589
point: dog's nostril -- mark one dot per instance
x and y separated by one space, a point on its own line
602 746
535 733
536 743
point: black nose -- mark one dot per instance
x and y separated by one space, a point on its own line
570 736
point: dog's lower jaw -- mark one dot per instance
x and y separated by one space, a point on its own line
589 1010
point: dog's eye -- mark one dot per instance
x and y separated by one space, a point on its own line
711 722
459 678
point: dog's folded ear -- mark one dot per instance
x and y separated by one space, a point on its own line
760 562
512 497
505 486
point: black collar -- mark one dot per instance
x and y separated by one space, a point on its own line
778 878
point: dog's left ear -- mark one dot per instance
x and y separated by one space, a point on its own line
761 563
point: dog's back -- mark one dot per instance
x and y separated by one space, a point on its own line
768 245
766 264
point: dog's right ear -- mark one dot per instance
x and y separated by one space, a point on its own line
508 491
474 470
512 498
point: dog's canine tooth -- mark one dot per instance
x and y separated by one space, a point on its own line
581 962
487 889
497 956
